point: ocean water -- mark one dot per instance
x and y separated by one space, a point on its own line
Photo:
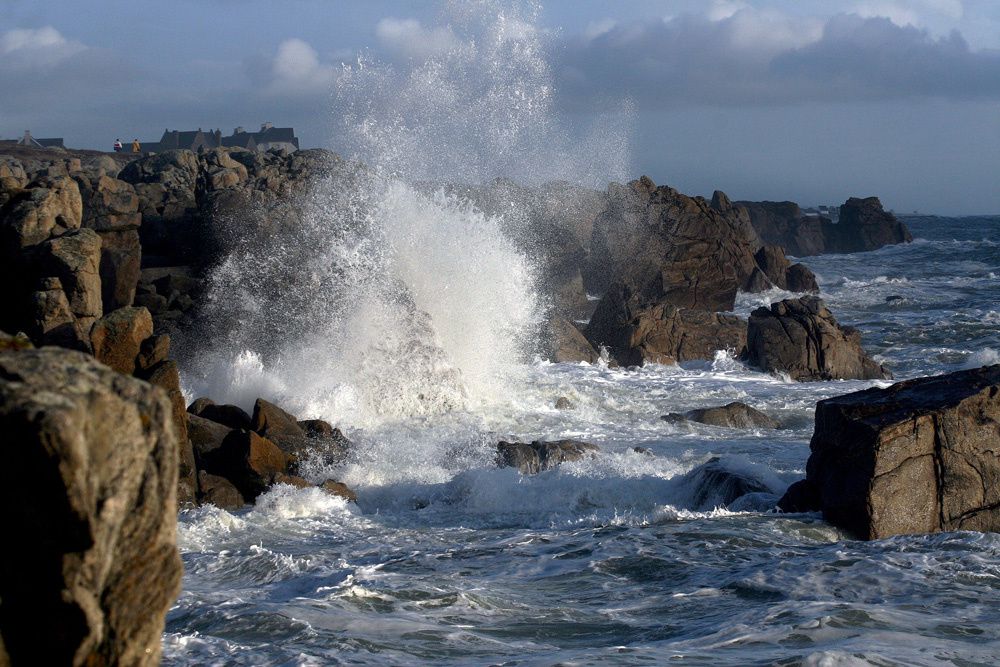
446 559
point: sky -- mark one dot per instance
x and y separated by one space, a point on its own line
808 100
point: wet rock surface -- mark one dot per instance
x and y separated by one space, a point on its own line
94 508
539 456
917 457
801 338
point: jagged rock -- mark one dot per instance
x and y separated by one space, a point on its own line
206 436
152 351
75 258
278 426
292 480
865 225
635 332
121 258
799 278
53 322
335 488
784 224
567 344
247 460
117 338
674 249
93 506
917 457
802 496
773 264
218 491
231 416
166 376
539 456
39 213
800 337
731 415
109 205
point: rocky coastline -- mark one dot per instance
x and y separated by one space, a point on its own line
106 262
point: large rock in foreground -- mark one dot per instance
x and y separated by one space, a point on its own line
800 337
91 503
920 456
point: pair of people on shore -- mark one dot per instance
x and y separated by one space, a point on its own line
136 146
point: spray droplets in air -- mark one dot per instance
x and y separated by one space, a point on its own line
392 296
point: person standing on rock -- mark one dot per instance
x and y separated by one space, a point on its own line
136 146
118 145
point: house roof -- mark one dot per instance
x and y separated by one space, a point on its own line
53 141
242 140
275 134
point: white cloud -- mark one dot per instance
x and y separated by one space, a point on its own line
297 69
28 48
919 13
409 39
723 9
598 28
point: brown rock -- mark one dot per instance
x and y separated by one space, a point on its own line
917 457
800 337
118 337
335 488
93 506
75 258
218 491
798 278
166 376
539 456
292 480
567 344
121 257
206 436
635 332
278 426
39 213
231 416
152 351
731 415
247 460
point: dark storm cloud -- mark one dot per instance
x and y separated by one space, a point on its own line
755 58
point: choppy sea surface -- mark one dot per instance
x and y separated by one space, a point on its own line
613 561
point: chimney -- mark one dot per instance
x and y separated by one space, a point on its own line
265 126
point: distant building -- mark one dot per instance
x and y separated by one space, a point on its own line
28 140
268 138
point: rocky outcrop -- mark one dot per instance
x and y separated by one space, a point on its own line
731 415
567 344
865 225
862 225
671 248
784 224
93 508
235 452
917 457
539 456
801 338
637 332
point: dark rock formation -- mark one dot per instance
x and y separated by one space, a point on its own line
636 332
800 337
731 415
799 278
917 457
567 344
93 508
247 460
117 338
675 249
717 483
539 456
865 225
232 416
784 224
278 426
218 491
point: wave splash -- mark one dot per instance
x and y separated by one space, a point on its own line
390 297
